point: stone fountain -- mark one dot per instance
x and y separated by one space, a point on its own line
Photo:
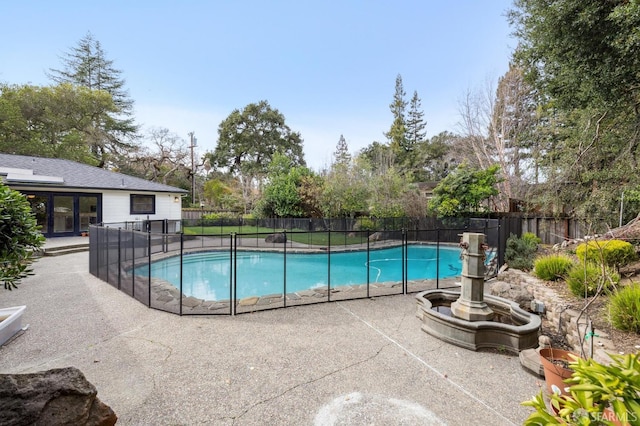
471 319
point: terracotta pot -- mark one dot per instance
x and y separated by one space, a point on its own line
554 374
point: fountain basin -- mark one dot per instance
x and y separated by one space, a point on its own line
513 329
10 322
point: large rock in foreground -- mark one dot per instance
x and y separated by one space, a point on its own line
55 397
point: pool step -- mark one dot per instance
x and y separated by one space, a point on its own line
67 249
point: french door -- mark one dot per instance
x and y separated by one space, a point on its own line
65 214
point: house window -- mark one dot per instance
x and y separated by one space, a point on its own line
143 204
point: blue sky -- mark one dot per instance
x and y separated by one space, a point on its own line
328 66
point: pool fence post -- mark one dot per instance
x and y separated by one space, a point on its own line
284 280
234 256
181 268
405 254
107 251
368 259
133 290
98 250
119 258
329 265
437 257
500 251
133 257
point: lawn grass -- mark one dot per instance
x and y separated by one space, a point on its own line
314 238
225 230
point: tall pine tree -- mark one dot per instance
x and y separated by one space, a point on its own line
416 135
397 134
341 155
87 65
416 126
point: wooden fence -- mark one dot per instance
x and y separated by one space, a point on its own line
551 230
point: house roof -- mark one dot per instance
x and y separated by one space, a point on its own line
21 170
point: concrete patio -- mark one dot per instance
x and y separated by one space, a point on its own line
362 362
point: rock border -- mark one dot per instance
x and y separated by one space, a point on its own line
560 317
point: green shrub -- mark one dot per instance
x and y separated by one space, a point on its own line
531 238
610 252
365 223
220 215
520 251
19 236
552 267
584 279
624 308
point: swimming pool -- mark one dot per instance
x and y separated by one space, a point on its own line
208 275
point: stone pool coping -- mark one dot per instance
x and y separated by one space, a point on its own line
165 296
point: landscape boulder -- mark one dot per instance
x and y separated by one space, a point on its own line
55 397
515 292
278 237
376 236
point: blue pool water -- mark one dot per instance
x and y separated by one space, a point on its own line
207 275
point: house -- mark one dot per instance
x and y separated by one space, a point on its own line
67 196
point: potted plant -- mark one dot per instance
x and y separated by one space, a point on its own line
556 369
598 394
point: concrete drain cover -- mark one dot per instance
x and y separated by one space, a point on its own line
358 409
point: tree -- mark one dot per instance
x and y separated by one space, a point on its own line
86 65
578 52
582 58
310 192
342 155
397 134
19 237
464 191
164 159
281 196
387 194
57 121
497 128
380 157
247 141
220 194
416 126
435 157
415 135
346 189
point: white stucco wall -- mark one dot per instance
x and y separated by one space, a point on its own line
116 206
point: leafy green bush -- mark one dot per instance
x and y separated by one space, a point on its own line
584 279
598 394
552 267
624 308
520 251
531 238
19 236
220 215
365 223
610 252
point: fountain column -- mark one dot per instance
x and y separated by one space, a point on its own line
470 305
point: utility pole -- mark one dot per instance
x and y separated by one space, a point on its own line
193 144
